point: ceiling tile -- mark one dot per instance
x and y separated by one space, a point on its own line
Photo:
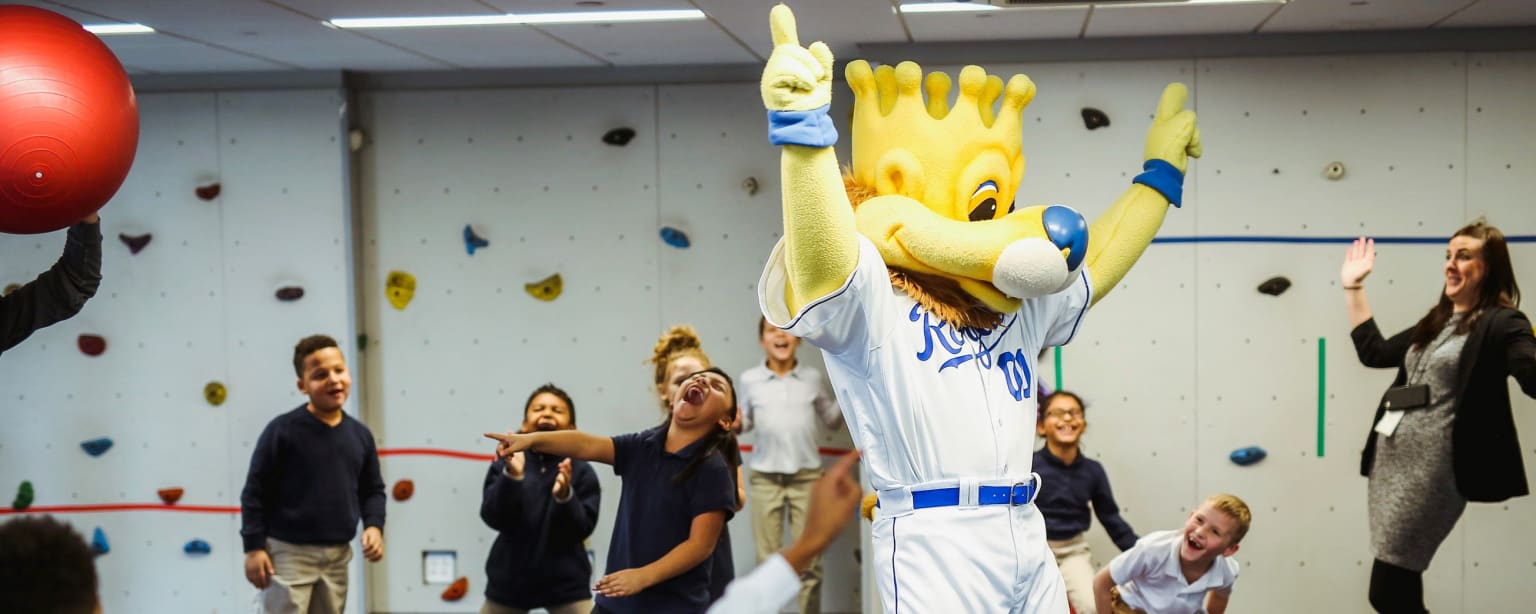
330 9
1177 20
157 53
488 46
842 24
1011 24
1329 15
696 42
1494 13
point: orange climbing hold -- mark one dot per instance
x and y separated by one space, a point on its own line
404 489
457 590
170 495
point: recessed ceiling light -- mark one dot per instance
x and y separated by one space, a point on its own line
507 19
108 29
946 7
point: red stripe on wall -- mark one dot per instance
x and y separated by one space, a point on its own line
435 452
123 507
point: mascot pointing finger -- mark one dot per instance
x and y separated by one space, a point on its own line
930 293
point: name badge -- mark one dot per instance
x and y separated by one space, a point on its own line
1389 422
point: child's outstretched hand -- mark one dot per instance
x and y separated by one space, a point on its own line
622 583
510 442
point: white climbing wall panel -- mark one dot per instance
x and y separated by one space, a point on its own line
196 305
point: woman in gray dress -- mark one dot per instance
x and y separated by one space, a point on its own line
1444 434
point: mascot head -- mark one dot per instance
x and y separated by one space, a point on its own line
933 187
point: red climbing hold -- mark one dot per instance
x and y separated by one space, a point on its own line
290 293
92 345
457 590
404 489
170 495
209 192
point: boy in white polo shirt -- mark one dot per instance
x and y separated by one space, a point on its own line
1186 571
785 403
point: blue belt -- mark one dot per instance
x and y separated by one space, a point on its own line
1018 494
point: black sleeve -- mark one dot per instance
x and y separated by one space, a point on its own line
258 486
370 485
58 293
1376 352
1108 511
575 519
712 487
501 503
1520 351
625 447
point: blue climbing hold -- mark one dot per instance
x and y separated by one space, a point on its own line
99 542
473 241
97 446
1248 456
196 547
674 237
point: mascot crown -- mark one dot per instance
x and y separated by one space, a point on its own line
904 144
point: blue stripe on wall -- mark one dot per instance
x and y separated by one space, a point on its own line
1341 240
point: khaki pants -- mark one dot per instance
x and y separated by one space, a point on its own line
575 607
773 494
1118 604
308 580
1076 572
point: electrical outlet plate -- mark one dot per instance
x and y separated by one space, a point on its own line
439 566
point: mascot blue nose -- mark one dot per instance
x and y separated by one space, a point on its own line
1067 230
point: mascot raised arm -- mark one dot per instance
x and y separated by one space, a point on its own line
930 295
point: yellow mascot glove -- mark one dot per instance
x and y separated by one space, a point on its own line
1174 136
867 508
796 78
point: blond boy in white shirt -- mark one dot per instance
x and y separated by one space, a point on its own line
1185 571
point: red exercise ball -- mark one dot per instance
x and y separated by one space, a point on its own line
69 125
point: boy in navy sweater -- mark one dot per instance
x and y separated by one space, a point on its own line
314 474
1069 482
543 508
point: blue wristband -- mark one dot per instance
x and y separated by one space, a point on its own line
811 128
1163 177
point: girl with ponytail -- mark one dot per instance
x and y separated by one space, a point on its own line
678 354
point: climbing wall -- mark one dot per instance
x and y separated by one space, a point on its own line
1187 361
548 196
195 305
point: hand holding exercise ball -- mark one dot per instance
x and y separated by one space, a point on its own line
69 124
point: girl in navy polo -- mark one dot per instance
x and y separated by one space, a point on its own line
677 494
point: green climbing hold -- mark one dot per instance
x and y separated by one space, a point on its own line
24 496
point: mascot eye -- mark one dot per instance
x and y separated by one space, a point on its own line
984 211
984 202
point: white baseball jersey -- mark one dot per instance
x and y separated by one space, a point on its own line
926 401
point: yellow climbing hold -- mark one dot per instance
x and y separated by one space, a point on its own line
400 287
546 289
215 393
